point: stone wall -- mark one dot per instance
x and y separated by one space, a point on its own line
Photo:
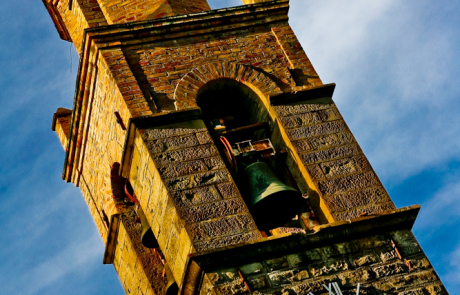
336 165
103 145
139 269
159 67
83 14
372 262
187 193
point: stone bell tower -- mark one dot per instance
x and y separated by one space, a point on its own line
214 160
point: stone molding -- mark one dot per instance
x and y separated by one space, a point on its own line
192 83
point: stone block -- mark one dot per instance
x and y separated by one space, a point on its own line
325 128
222 227
335 203
389 269
418 291
329 268
214 163
234 288
176 129
313 255
316 286
324 141
198 152
330 114
183 168
299 108
352 278
388 256
278 278
330 154
420 263
436 289
224 276
196 232
406 242
347 248
302 120
347 183
204 137
364 260
227 241
172 143
198 196
302 146
212 210
252 268
196 180
339 167
277 263
228 190
315 172
373 242
258 282
399 283
299 276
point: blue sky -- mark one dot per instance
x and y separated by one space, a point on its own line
397 68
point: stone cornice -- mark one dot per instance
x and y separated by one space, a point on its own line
190 25
326 234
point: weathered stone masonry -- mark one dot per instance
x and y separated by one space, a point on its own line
150 61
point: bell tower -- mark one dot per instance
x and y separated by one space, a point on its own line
214 161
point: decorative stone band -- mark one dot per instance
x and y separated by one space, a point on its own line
399 219
191 84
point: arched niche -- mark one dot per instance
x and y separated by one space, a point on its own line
243 115
226 97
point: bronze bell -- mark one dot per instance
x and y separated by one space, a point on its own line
147 237
171 285
271 202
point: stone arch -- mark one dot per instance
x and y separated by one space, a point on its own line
190 86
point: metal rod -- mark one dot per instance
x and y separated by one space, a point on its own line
259 125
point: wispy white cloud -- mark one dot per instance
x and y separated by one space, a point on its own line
453 275
445 203
217 4
397 78
77 257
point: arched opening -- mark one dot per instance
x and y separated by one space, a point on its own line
243 129
225 97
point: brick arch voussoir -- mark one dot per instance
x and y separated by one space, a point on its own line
188 88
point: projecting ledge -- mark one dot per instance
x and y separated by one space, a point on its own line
311 95
399 219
